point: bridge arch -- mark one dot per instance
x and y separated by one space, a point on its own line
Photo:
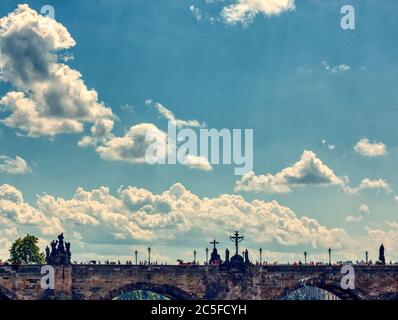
169 291
330 285
6 294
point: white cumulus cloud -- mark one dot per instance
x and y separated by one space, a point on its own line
144 143
309 170
48 97
197 162
132 147
135 215
98 219
370 149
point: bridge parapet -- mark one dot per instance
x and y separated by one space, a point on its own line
93 282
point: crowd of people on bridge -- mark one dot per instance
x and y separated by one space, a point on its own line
127 262
321 263
257 263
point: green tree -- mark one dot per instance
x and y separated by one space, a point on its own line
26 251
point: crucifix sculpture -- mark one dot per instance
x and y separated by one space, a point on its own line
236 238
214 242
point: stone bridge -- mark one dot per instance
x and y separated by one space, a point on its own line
105 282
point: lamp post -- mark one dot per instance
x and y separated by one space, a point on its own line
149 255
136 257
305 258
330 256
261 256
207 255
194 257
367 257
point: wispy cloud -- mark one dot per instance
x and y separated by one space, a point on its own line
197 13
363 211
328 145
169 116
13 166
244 11
336 69
369 184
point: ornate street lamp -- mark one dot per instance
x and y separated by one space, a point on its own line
194 257
305 257
367 257
149 255
207 255
330 256
136 257
261 256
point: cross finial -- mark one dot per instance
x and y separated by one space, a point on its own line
214 242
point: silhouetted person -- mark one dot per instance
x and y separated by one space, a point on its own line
382 258
226 255
247 260
47 254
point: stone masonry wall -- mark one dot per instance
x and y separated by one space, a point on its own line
93 282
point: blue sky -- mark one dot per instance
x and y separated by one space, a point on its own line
296 78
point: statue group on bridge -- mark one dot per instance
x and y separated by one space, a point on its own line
60 254
236 260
